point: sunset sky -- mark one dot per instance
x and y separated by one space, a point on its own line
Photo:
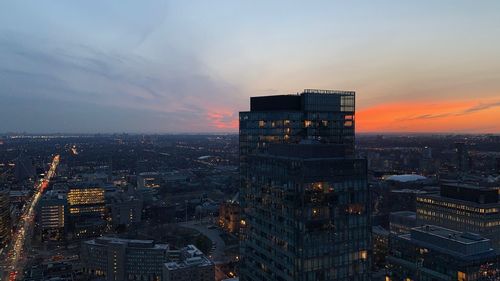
190 66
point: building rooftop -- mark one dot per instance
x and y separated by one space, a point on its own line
407 214
190 257
405 178
459 244
133 243
309 99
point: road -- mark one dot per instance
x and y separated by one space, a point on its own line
15 259
217 254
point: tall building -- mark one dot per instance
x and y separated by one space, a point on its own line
304 196
5 221
192 265
461 157
86 210
123 259
435 253
52 216
463 207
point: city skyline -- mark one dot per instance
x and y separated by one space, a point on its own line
164 67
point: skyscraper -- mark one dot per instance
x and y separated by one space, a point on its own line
304 196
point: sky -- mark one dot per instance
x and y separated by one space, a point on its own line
191 66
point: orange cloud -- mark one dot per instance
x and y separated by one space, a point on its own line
223 120
474 116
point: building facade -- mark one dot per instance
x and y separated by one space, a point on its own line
123 259
402 221
435 253
52 217
463 208
86 210
229 216
303 195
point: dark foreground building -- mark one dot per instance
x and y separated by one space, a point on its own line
304 195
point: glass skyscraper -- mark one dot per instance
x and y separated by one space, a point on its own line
304 195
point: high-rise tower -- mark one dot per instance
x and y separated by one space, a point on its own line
304 195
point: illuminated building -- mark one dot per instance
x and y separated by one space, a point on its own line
463 208
192 265
304 196
435 253
229 216
86 210
52 216
122 259
5 222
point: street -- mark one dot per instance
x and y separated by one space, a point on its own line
15 259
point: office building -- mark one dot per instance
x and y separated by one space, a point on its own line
5 221
192 265
435 253
123 259
126 210
86 209
304 196
229 216
463 207
51 216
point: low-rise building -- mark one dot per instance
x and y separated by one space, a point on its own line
123 259
192 265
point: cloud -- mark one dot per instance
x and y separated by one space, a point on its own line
180 91
479 107
470 110
424 116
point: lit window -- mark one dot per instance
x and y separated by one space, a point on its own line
363 255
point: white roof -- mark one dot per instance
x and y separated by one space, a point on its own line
405 178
